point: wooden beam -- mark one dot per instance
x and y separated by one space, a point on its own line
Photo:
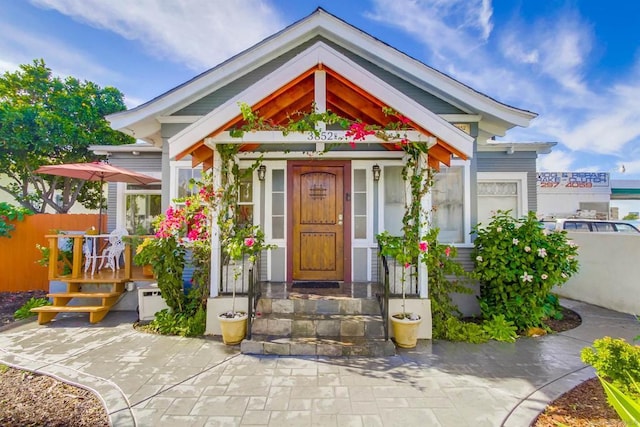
440 153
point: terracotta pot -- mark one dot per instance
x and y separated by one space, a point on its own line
405 331
233 329
147 270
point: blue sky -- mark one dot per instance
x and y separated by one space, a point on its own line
574 62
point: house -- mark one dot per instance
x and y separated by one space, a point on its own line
324 62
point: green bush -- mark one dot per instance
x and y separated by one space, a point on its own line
500 329
24 312
626 406
9 212
615 360
454 329
170 323
518 262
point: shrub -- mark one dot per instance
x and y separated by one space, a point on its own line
500 329
24 312
617 361
518 262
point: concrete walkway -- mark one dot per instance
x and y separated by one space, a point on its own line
150 380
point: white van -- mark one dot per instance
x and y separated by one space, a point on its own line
594 225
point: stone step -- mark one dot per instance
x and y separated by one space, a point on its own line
312 304
328 346
305 325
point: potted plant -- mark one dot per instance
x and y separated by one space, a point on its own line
405 324
242 245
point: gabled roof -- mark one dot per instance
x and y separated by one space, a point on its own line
293 75
143 122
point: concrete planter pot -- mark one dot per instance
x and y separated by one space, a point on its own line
233 329
405 331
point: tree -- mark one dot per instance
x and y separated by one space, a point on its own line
50 120
631 216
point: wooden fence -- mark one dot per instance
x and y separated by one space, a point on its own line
19 270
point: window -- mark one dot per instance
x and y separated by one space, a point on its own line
142 204
277 204
245 199
501 191
184 176
360 204
448 204
394 189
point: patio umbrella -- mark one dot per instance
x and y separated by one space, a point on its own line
97 171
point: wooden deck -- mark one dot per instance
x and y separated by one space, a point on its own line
71 272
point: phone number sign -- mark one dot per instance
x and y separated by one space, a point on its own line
573 180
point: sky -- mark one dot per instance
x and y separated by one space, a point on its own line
576 63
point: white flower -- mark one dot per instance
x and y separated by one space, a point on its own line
516 241
499 229
564 276
527 249
542 252
572 244
479 258
518 225
526 277
544 276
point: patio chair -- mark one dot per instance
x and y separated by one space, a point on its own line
111 254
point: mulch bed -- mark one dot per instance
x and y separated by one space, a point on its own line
11 301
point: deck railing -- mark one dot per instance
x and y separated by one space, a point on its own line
66 258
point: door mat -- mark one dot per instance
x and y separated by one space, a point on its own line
316 285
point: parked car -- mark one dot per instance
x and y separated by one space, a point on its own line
591 225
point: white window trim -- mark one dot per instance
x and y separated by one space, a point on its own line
520 179
174 165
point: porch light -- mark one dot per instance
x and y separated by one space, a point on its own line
262 172
376 172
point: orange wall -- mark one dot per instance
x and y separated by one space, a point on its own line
18 254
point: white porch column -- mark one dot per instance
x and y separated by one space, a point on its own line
425 220
216 250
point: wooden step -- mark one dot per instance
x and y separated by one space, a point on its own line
48 312
84 295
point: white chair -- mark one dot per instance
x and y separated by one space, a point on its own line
111 254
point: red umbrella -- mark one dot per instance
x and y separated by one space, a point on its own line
97 171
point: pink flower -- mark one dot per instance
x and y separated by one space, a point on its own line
424 246
407 265
358 131
249 242
447 251
404 120
192 234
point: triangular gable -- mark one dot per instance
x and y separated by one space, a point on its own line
143 122
343 72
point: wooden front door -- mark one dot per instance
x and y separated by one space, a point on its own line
320 220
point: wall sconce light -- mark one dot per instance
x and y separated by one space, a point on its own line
262 172
511 150
376 172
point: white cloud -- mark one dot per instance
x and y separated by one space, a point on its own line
21 47
556 46
447 27
556 161
198 33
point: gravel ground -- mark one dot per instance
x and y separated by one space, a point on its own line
34 400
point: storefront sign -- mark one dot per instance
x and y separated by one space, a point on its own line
572 180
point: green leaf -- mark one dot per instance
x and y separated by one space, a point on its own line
625 406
